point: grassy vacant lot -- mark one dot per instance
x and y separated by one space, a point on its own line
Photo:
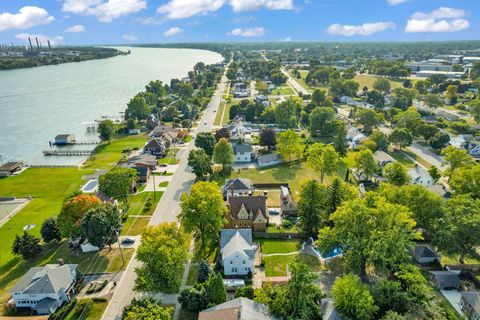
401 158
367 80
87 309
276 266
134 226
295 173
285 90
137 203
104 261
107 155
48 187
270 246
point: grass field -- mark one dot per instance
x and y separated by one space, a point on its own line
279 246
107 155
218 116
87 309
137 203
276 266
170 157
285 90
367 80
134 226
401 158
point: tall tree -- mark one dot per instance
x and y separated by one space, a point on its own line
203 214
200 163
215 289
163 252
268 137
146 309
382 85
222 133
223 153
205 141
372 233
456 158
365 163
106 129
311 210
318 96
427 131
352 298
286 114
458 231
50 230
396 174
288 145
73 210
401 137
322 158
101 225
27 246
340 139
322 121
137 108
465 181
117 182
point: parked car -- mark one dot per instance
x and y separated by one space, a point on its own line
128 240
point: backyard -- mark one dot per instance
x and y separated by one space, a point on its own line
276 266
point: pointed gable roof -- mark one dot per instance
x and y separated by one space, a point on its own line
155 143
251 203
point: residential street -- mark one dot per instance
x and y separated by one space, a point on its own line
297 87
428 156
167 209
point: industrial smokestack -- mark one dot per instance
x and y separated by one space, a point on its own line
38 45
30 41
49 46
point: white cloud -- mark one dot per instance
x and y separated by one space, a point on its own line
249 5
395 2
26 17
105 11
179 9
172 31
148 21
76 28
247 32
129 37
42 38
443 19
365 29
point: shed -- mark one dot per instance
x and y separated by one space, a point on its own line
66 138
445 279
10 168
424 254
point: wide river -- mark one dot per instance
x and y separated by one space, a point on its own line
36 104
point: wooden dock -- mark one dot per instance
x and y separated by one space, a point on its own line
67 152
84 143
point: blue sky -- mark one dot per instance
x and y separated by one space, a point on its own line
154 21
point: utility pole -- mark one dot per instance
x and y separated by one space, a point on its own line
120 247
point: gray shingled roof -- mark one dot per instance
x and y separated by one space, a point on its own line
238 243
424 251
251 203
237 184
49 279
155 143
446 278
242 148
247 309
473 299
227 234
269 157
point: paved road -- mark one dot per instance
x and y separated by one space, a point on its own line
166 211
424 153
296 86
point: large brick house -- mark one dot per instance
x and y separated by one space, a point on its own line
247 212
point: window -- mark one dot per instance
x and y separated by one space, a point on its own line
231 262
243 262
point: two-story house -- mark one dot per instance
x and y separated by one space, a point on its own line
238 251
247 212
470 304
288 206
42 290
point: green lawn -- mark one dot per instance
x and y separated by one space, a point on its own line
138 201
104 261
367 80
295 173
279 246
402 158
87 309
285 90
192 274
134 226
276 266
48 187
281 229
226 114
453 259
170 157
163 184
218 116
107 155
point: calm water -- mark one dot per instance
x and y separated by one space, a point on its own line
36 104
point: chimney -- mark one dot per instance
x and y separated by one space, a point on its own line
60 262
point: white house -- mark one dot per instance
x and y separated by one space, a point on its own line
44 289
424 254
382 158
242 153
238 251
421 176
355 137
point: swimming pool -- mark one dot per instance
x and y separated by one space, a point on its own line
91 186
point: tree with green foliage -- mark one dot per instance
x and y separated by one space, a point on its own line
322 158
456 158
422 86
340 139
146 309
157 88
203 215
286 114
106 129
382 85
368 118
458 230
117 182
222 133
204 271
26 246
380 140
311 210
434 173
396 174
475 108
392 315
465 181
163 253
451 93
372 233
223 153
185 90
50 230
194 299
200 163
389 296
401 137
268 137
475 71
409 119
101 225
246 292
289 145
206 141
425 205
137 108
433 101
216 292
322 121
72 213
319 96
352 298
427 131
365 164
439 140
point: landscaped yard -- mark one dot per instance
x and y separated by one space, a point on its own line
270 246
107 155
276 266
138 201
401 158
170 157
282 229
